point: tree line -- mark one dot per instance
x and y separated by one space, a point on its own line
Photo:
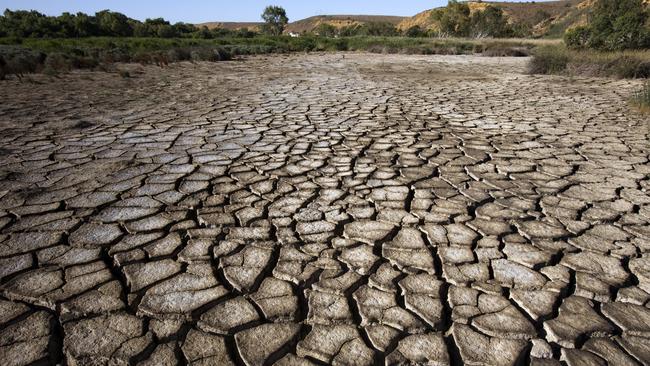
32 24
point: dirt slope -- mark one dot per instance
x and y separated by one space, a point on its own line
539 15
231 25
311 23
339 21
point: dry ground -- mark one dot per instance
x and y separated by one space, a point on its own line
349 209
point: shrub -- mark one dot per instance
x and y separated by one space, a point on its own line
19 61
178 54
642 97
326 30
506 52
577 37
3 68
84 62
56 62
124 74
209 54
559 60
415 32
614 25
629 67
549 60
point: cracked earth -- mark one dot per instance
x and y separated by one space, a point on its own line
344 209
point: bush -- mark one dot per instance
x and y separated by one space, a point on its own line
577 37
56 62
628 67
208 54
615 25
19 61
457 19
559 60
506 52
3 68
124 74
178 54
415 32
642 97
549 60
102 52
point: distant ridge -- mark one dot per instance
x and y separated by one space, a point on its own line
231 25
311 23
542 16
340 21
545 18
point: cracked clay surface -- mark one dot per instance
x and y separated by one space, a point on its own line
345 209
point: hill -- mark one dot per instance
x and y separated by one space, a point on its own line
541 17
232 25
339 21
311 23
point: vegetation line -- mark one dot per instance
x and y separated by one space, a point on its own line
615 42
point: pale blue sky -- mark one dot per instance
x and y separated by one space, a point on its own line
196 11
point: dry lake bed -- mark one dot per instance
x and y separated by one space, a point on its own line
346 209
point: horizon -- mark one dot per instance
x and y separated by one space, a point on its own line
193 11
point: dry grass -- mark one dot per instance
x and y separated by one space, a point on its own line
642 98
560 60
254 26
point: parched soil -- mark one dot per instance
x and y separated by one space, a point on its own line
347 209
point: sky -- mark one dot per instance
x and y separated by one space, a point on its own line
197 11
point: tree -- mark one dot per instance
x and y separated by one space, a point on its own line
85 26
415 31
326 30
614 25
113 24
275 19
105 23
28 24
458 20
384 29
454 19
619 24
490 23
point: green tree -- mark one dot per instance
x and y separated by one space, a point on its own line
85 25
28 24
105 23
275 19
384 29
614 25
489 23
415 31
454 20
113 24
